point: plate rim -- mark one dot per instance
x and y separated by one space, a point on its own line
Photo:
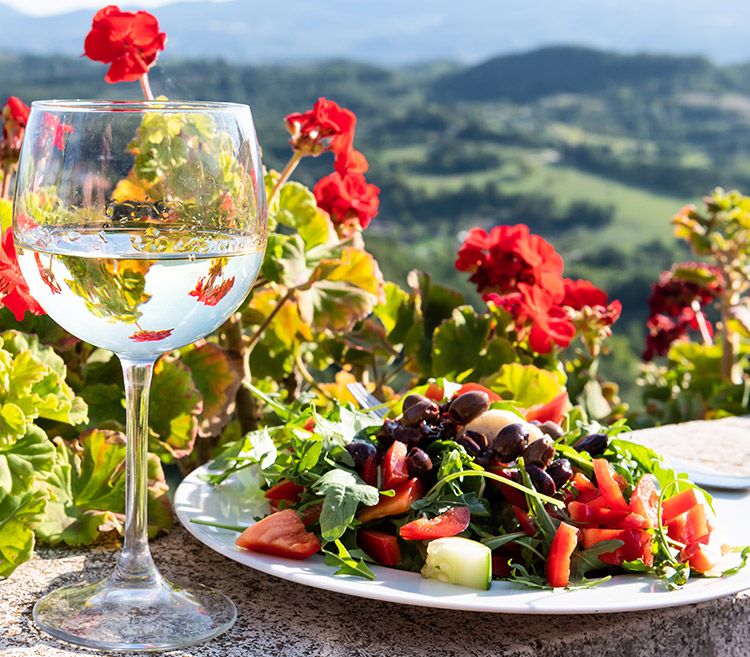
465 600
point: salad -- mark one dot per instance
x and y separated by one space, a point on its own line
464 487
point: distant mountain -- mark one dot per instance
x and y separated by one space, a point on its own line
549 71
402 31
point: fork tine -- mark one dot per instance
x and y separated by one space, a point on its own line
366 400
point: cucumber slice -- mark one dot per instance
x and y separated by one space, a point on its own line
459 561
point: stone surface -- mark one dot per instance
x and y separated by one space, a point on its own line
281 619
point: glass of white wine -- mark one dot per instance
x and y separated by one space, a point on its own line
140 227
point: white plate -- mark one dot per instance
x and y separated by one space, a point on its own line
195 499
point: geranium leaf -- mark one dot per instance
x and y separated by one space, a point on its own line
396 313
106 403
173 418
24 460
217 376
527 385
6 214
298 209
18 516
287 327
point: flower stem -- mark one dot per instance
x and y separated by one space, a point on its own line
700 319
6 183
146 87
288 170
259 333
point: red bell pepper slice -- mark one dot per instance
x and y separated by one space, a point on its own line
405 494
434 392
564 543
610 489
678 504
701 558
281 534
393 467
553 410
513 495
692 526
636 545
585 489
450 523
525 520
380 546
469 387
645 499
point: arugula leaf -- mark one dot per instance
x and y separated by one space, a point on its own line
545 523
343 492
347 565
582 561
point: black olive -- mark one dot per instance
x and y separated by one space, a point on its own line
470 405
539 452
552 429
421 410
542 482
361 451
418 462
560 471
594 444
410 400
469 444
510 441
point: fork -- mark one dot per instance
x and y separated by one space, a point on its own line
368 402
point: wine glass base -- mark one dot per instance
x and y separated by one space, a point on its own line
117 617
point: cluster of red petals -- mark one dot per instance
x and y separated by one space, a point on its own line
128 41
55 130
208 290
349 199
150 336
583 294
507 256
16 295
675 304
15 116
327 127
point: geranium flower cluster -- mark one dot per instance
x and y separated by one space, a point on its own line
677 303
523 274
345 194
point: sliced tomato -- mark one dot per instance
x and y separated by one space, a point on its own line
645 499
380 546
608 485
557 567
678 504
469 387
281 534
450 523
285 490
701 558
310 514
553 410
393 466
405 494
434 392
369 471
525 520
636 544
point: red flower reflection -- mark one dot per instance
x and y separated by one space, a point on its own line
150 336
207 290
128 41
509 255
350 200
54 130
16 295
47 276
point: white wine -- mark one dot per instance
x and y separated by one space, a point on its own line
139 293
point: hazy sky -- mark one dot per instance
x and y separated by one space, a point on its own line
46 7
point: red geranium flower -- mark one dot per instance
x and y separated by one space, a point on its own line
128 41
16 110
327 127
16 295
581 294
15 116
150 336
350 200
507 256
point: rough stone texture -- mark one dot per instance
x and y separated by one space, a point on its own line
718 445
281 619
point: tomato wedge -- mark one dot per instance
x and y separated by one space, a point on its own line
281 534
557 567
610 489
380 546
645 499
393 467
406 493
469 387
678 504
285 490
553 410
450 523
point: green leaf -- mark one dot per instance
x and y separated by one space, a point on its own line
583 561
298 209
106 404
87 490
396 312
343 492
217 376
18 516
6 214
346 564
462 348
24 460
173 417
527 385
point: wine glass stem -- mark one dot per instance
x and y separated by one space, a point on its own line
134 565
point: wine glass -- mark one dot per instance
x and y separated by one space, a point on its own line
140 228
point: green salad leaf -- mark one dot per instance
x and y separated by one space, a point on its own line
342 491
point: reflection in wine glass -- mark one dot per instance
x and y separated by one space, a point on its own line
140 228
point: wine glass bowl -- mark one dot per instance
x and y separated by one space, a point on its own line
140 227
